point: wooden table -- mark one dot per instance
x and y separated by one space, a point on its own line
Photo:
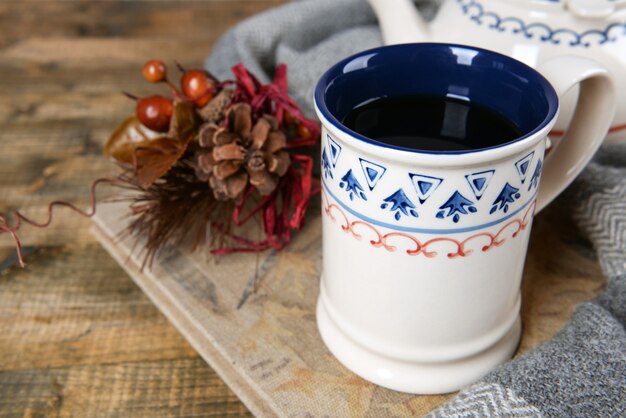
77 337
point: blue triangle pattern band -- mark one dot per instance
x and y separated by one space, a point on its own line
479 182
373 172
522 165
424 185
335 150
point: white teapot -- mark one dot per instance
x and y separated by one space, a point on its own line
531 31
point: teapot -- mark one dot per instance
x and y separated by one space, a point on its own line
532 31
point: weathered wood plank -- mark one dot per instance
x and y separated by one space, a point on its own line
175 388
93 53
158 19
84 312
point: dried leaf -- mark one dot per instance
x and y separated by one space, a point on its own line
129 136
184 125
154 161
148 153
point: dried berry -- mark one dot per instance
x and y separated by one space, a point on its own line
289 119
155 71
304 132
197 86
155 112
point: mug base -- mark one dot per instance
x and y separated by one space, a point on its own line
412 377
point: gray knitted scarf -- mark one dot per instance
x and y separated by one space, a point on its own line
582 370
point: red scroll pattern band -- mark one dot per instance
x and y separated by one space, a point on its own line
509 230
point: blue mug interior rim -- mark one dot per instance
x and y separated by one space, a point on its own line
514 69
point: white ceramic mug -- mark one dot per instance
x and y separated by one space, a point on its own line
423 251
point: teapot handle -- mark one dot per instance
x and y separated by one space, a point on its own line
593 115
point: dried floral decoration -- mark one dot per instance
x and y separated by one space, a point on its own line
208 160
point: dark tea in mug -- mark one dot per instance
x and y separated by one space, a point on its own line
431 123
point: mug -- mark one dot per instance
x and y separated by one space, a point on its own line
423 251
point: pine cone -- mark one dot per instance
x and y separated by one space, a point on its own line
231 157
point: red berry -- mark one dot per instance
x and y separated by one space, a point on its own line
154 71
288 118
303 131
197 86
155 112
